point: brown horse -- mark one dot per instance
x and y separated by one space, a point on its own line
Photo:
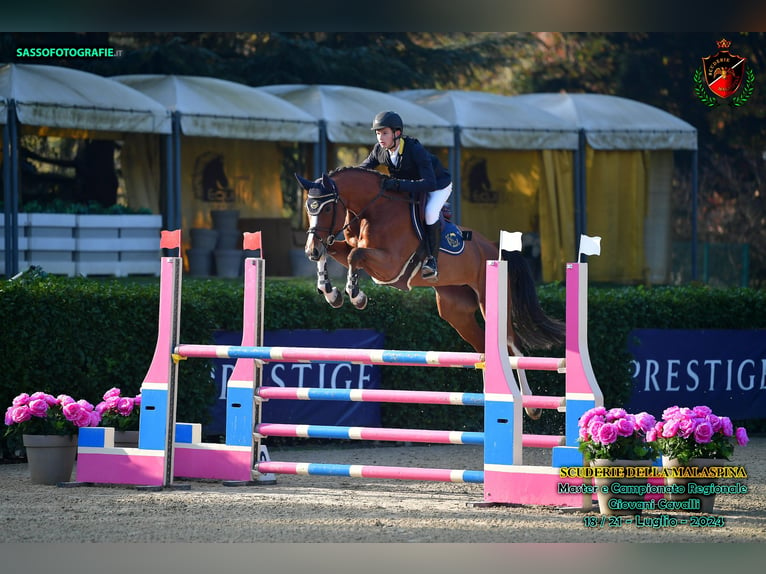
379 237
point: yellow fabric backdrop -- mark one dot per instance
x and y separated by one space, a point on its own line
252 169
556 204
529 191
616 211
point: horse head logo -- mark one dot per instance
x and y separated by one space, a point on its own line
210 181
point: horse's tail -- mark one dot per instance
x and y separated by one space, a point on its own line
533 328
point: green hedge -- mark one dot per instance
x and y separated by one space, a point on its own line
83 336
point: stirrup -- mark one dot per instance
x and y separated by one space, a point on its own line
429 270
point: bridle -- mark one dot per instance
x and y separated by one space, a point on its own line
319 199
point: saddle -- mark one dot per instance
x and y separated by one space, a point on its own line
452 238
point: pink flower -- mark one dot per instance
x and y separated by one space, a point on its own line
8 417
113 392
702 411
670 412
703 433
72 411
686 427
587 417
624 427
727 428
20 400
101 408
38 407
64 400
137 400
607 434
651 435
742 438
594 428
714 421
615 414
20 414
670 428
111 401
125 406
645 421
95 419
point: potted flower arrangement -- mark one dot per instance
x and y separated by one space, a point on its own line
122 413
688 433
48 428
695 437
616 438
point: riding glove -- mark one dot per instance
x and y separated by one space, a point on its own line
391 184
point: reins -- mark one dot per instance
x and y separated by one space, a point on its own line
314 206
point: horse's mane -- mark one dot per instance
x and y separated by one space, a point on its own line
346 168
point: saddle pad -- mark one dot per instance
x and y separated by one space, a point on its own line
452 241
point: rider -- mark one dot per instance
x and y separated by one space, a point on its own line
415 170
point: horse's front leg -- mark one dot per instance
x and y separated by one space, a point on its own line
331 293
357 297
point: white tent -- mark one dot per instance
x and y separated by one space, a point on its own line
63 98
612 122
484 120
220 108
494 121
242 127
346 113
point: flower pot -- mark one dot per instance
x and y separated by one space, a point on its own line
225 219
203 239
200 262
228 262
51 457
705 502
616 503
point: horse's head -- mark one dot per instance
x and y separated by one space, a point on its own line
322 209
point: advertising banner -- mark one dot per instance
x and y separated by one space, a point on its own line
723 369
314 375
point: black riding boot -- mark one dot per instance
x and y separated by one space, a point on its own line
433 238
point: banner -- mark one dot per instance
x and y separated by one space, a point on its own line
314 375
723 369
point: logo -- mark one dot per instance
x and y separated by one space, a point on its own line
724 77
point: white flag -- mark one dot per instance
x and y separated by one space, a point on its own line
510 241
589 246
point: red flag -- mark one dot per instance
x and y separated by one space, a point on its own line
170 239
252 241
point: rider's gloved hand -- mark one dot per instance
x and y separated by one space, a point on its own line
391 184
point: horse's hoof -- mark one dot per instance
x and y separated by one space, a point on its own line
534 414
334 298
360 301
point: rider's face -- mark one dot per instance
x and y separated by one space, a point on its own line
385 137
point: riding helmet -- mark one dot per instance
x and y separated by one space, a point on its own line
387 120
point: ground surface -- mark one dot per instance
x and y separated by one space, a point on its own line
327 509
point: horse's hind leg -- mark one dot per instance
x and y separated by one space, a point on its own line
458 304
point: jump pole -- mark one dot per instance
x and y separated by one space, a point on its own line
507 480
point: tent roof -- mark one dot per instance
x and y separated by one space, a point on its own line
220 108
60 97
611 122
495 121
348 112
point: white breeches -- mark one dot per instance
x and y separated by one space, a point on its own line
435 202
